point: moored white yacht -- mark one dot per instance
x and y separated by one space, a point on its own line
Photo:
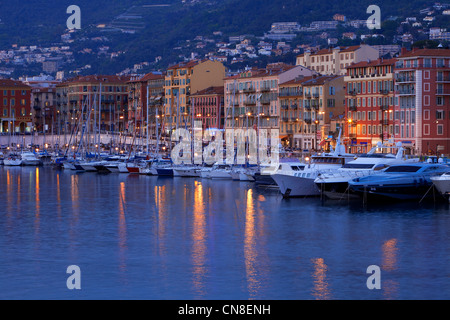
12 161
406 181
334 185
300 183
442 183
30 159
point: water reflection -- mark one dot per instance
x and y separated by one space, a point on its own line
250 250
122 231
389 249
199 241
321 289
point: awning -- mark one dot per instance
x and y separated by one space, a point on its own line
321 144
283 137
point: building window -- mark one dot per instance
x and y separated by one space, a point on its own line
426 115
440 129
426 129
440 115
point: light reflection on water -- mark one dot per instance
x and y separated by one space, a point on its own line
151 238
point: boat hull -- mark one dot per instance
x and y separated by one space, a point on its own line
393 192
165 172
263 180
292 186
442 185
12 162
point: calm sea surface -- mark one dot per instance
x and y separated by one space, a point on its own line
141 237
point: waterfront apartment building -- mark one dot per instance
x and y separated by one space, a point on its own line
43 103
422 115
44 109
104 96
251 96
181 81
336 60
145 102
15 99
370 104
308 106
208 106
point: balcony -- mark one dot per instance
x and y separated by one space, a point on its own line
265 101
352 135
384 91
384 107
250 103
294 106
443 91
308 95
308 121
285 107
249 90
405 91
442 78
384 122
352 108
315 95
400 78
264 89
352 92
291 93
284 119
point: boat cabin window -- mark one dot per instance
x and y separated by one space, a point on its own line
297 168
403 169
379 167
358 166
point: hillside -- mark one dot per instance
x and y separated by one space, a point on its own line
160 28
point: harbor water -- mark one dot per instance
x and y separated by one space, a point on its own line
144 237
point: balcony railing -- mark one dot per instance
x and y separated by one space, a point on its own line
443 78
352 108
405 91
249 90
383 91
405 78
294 106
285 107
307 120
444 91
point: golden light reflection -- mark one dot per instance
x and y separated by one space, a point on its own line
58 194
321 289
199 241
390 287
9 192
161 205
250 251
122 227
389 255
38 199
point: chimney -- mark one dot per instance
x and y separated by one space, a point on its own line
404 51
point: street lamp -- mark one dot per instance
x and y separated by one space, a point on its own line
317 145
